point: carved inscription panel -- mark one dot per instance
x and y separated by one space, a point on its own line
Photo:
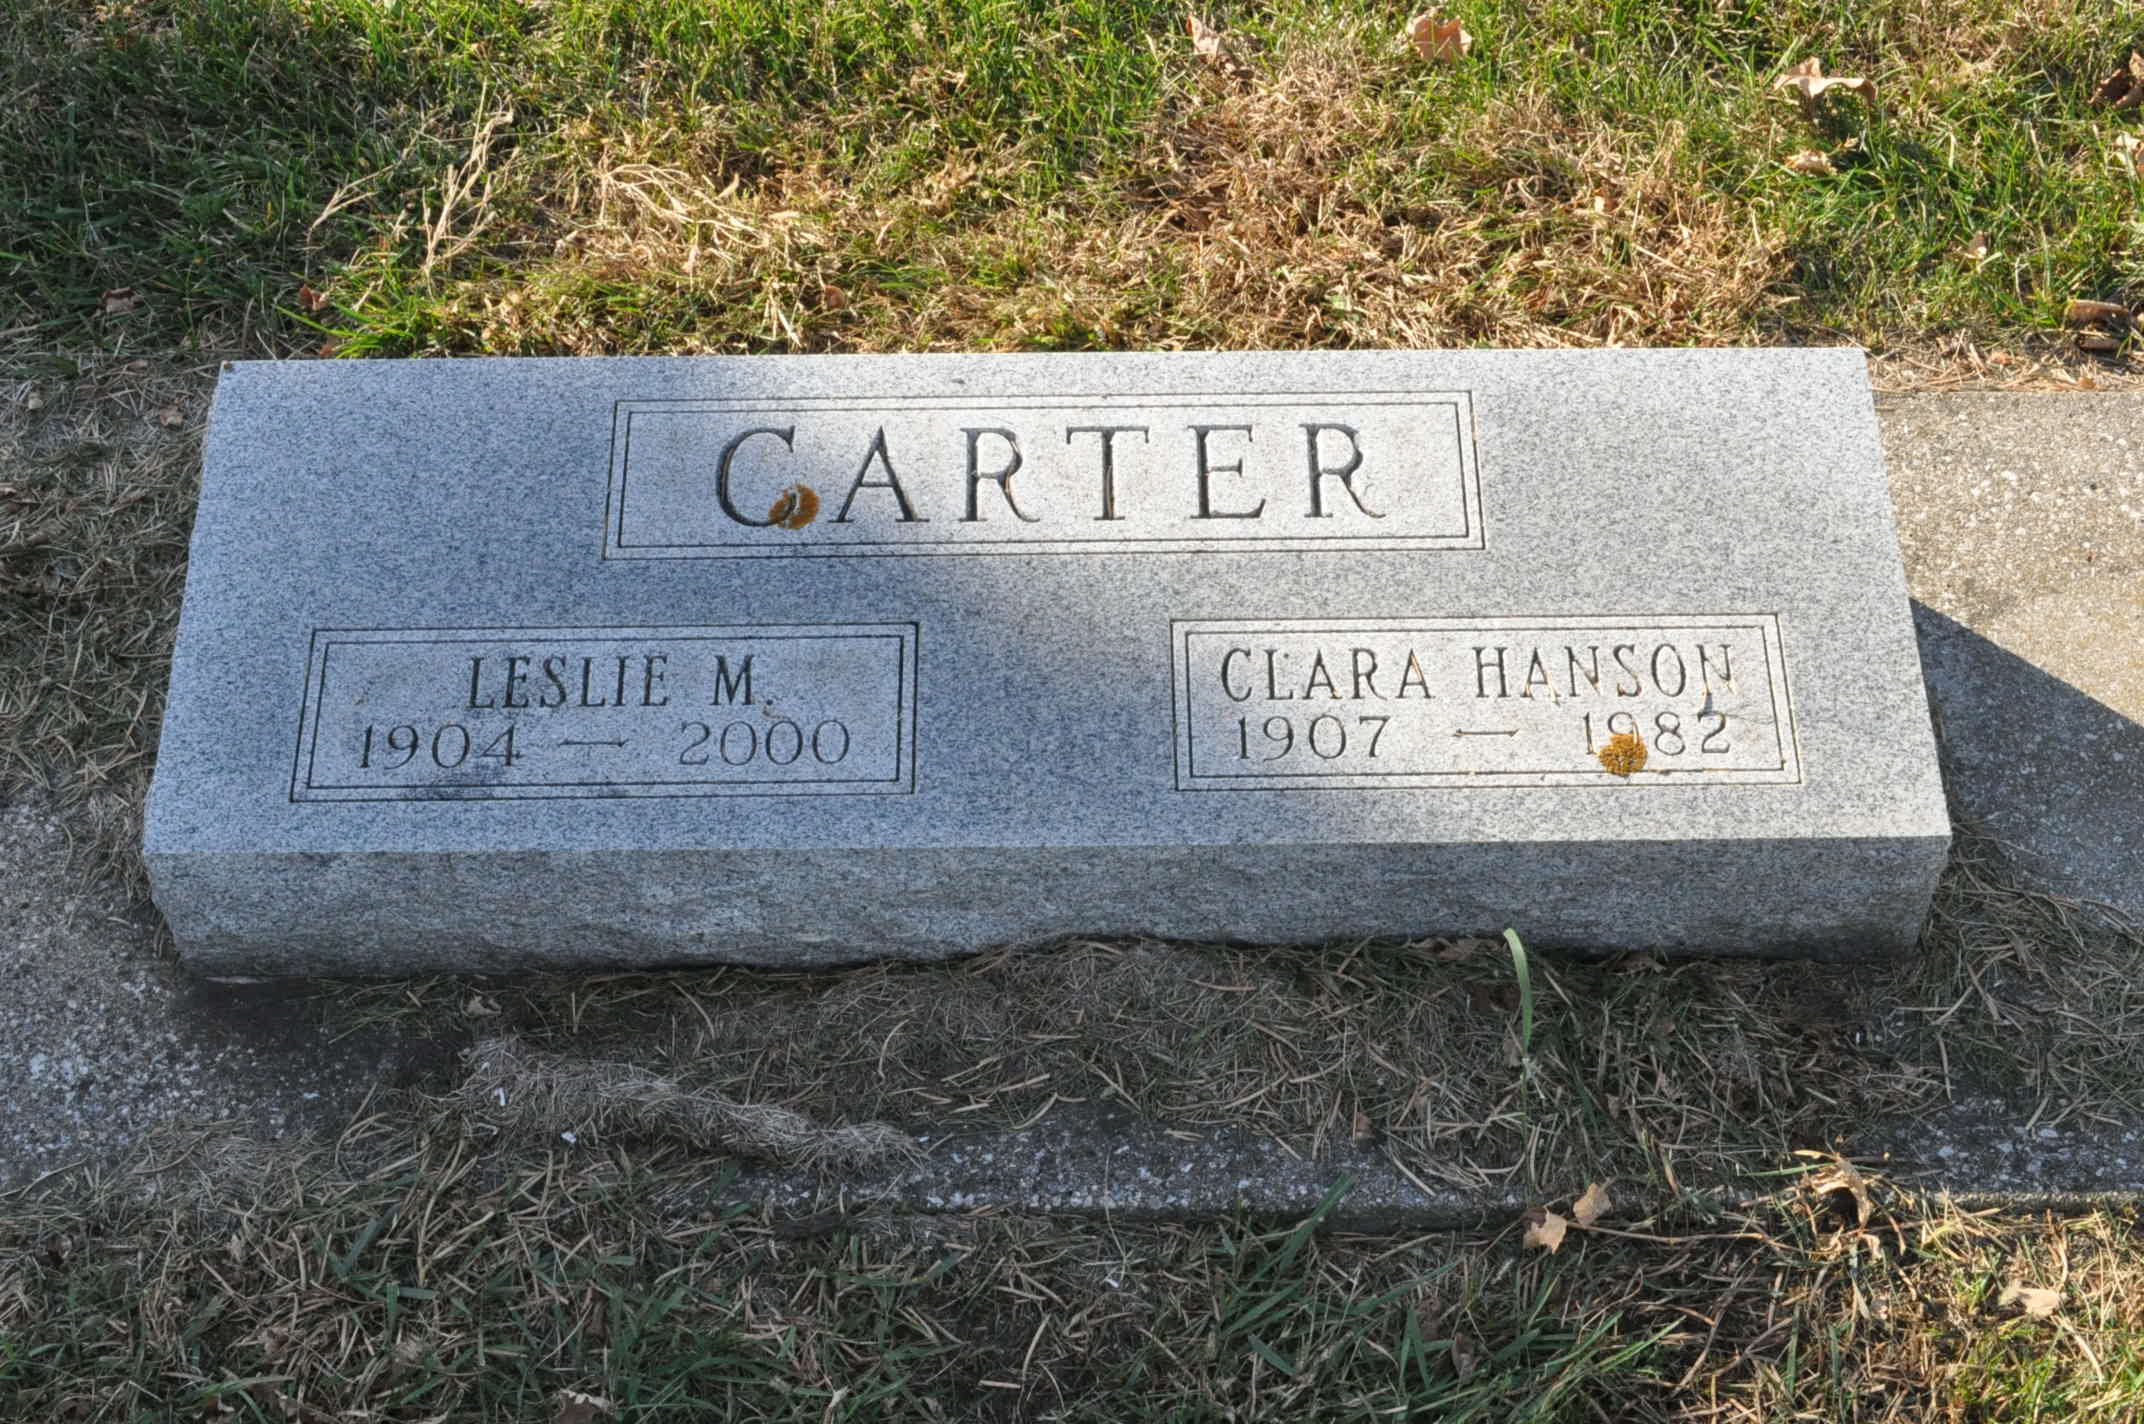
1391 702
477 714
824 477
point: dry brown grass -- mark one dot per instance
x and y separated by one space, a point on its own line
513 1089
1679 1074
1270 213
1284 206
99 460
411 1271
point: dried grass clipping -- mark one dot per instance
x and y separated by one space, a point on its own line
524 1092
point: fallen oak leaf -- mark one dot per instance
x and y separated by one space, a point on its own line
1591 1206
2124 88
1545 1229
577 1408
2033 1300
1810 83
1437 39
1215 48
1810 164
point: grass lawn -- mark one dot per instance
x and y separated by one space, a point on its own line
186 180
576 176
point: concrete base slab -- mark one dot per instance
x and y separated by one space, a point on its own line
104 1041
1115 1164
2031 593
2021 518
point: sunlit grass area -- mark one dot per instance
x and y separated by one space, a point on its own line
582 176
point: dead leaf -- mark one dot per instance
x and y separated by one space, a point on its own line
2083 311
831 297
2129 152
170 417
2124 88
1493 1000
1363 1131
1545 1229
311 300
121 300
1975 249
1810 83
2033 1300
1810 163
1437 39
1843 1184
577 1408
1215 48
1592 1205
480 1006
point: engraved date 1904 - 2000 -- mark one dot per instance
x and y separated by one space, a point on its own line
474 714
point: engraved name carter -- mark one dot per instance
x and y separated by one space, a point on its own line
1074 474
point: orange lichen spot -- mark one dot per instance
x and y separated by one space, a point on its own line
795 507
1624 754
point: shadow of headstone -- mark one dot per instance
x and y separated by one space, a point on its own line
2052 775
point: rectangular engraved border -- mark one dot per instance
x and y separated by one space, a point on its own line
906 637
1470 535
1787 772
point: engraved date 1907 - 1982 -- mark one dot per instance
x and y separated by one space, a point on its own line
1478 701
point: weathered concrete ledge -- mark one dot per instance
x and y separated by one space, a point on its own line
1116 1164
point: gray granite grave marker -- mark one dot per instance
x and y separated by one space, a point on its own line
499 664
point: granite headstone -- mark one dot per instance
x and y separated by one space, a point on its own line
492 664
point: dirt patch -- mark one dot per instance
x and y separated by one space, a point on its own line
104 1041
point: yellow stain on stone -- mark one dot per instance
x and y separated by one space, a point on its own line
1624 754
795 507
